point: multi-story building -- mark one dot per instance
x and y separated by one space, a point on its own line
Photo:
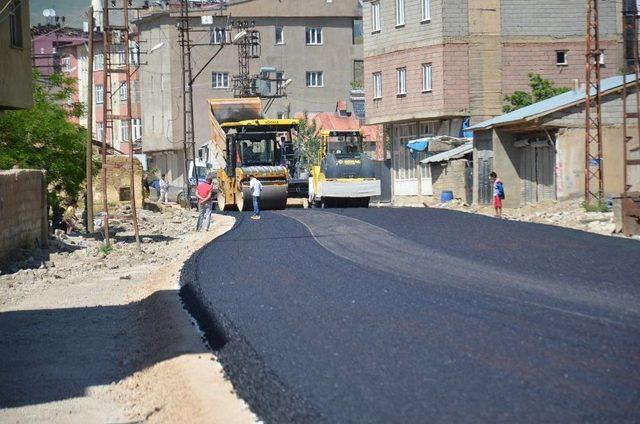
15 56
430 64
317 44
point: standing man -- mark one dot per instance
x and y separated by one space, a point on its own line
204 193
164 189
498 194
256 187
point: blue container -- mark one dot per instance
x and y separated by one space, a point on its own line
446 196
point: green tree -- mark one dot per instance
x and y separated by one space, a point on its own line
43 137
307 142
541 89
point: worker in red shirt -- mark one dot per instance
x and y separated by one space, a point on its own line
204 193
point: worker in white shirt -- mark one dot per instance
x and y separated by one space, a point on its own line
164 189
256 187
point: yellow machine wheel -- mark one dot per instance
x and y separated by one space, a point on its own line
222 202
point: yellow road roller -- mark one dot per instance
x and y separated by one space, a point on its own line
253 148
343 175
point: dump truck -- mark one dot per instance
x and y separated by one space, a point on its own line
343 175
252 148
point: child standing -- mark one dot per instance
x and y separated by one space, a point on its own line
498 194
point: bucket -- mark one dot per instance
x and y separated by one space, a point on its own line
446 196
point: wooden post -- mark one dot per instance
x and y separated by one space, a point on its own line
89 154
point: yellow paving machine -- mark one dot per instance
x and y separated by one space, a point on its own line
343 175
254 147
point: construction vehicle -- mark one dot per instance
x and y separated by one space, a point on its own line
343 175
253 147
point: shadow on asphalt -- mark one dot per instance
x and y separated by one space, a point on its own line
54 354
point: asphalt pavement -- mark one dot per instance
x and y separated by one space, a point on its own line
421 315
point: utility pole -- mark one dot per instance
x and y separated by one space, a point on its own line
89 153
593 175
132 180
107 124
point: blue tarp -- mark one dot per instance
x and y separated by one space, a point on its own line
419 145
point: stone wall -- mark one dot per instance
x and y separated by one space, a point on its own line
449 176
118 182
23 210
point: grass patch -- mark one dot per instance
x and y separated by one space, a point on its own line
598 207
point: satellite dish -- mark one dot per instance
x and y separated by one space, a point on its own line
286 83
157 46
48 13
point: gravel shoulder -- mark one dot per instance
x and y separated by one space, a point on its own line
90 336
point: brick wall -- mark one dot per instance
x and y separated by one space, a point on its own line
518 59
23 210
448 96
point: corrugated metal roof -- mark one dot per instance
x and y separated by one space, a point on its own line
455 153
561 101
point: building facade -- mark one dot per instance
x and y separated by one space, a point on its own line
316 44
430 64
15 54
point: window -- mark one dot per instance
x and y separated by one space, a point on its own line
399 12
15 23
314 36
315 79
99 130
220 79
356 33
66 63
124 130
358 73
377 85
375 16
136 129
561 57
99 94
601 58
219 36
122 57
426 77
123 92
426 10
401 77
134 53
279 35
98 62
279 79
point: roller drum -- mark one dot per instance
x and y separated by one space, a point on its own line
272 197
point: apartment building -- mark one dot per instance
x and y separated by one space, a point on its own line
15 56
432 64
317 44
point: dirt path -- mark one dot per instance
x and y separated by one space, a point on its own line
104 338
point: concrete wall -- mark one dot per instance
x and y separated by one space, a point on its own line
23 210
449 176
570 162
15 65
505 163
118 178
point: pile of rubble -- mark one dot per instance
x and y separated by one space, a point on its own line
79 254
570 214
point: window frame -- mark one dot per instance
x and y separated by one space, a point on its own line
425 10
377 85
427 80
566 58
124 130
219 80
219 36
319 79
400 16
99 131
308 36
16 40
98 64
353 31
123 91
99 94
401 81
282 42
375 17
136 129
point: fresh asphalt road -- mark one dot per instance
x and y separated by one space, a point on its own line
422 315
